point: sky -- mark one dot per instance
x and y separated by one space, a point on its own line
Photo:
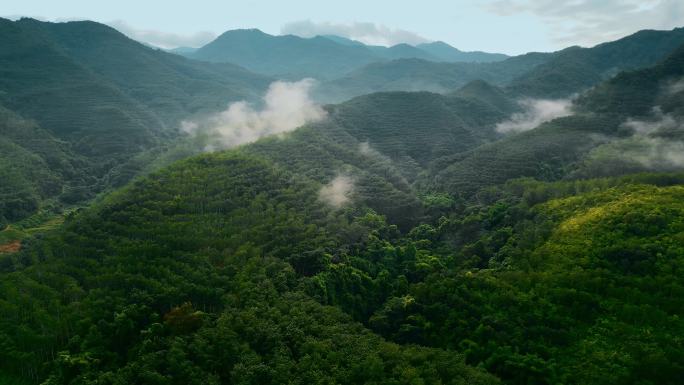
506 26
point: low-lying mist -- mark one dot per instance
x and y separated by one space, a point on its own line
536 112
655 143
658 141
287 106
337 193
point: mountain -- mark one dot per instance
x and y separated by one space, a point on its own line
287 56
534 75
103 100
576 69
210 271
33 166
343 40
416 127
402 51
628 124
183 50
402 239
321 57
235 265
423 75
170 86
445 52
486 93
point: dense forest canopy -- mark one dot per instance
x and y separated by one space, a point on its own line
165 220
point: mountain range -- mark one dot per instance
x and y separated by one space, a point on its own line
320 57
506 221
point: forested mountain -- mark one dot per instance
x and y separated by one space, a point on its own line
321 57
445 52
423 75
102 100
402 238
631 123
576 69
537 75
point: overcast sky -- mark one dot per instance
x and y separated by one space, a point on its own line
508 26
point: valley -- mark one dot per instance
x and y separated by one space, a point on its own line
416 215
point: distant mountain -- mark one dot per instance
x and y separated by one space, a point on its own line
576 69
286 56
323 57
423 75
445 52
182 50
537 75
343 40
434 51
402 51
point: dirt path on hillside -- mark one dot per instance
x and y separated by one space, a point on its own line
11 247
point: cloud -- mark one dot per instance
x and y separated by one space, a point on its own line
337 193
675 87
659 123
657 153
537 111
589 22
368 33
366 149
655 144
162 39
287 106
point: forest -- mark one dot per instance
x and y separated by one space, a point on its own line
402 238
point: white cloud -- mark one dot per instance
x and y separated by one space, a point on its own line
589 22
647 148
675 87
659 122
366 149
287 106
162 39
337 193
655 153
368 33
536 112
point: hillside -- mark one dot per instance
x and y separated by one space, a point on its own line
33 166
576 69
625 125
422 75
213 251
554 283
98 102
394 238
227 267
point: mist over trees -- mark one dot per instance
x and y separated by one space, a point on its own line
165 220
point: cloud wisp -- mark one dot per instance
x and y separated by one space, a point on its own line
589 22
165 40
368 33
338 192
536 112
675 87
655 142
287 106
